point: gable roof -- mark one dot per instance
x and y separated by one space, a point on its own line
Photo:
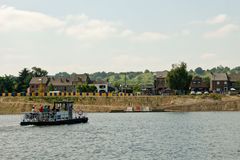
39 80
234 77
60 81
219 77
79 77
161 74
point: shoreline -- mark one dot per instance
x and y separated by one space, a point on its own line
18 105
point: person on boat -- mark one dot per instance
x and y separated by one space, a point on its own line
58 109
33 108
54 109
48 108
41 108
45 110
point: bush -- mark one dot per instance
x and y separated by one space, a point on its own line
215 96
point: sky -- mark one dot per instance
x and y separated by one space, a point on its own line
118 35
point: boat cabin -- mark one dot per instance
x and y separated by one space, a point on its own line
61 113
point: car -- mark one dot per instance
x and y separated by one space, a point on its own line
206 92
198 93
192 93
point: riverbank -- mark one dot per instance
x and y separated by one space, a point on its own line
16 105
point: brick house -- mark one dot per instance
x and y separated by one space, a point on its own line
234 81
199 84
61 84
38 82
79 79
160 82
219 82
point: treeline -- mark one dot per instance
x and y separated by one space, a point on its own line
20 83
147 77
218 69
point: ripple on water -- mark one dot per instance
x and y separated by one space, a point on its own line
213 135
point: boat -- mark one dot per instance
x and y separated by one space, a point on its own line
62 113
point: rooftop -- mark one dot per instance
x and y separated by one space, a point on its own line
161 74
39 80
219 77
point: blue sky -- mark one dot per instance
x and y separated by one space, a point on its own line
109 35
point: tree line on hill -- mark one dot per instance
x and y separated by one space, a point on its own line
178 78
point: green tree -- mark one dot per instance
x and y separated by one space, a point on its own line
86 88
23 80
207 80
63 74
178 78
199 71
38 72
136 88
50 87
92 88
235 70
7 84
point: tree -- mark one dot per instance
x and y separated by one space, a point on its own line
40 89
62 74
23 80
136 88
220 69
7 84
199 71
86 88
207 81
236 70
38 72
146 71
50 87
178 78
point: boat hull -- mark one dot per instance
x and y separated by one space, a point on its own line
61 122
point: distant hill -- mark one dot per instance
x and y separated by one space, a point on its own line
132 78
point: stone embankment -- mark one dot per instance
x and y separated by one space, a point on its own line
16 105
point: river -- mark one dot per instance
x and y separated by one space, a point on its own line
126 136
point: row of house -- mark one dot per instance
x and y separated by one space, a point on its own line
219 83
64 84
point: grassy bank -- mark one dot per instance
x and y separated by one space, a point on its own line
15 105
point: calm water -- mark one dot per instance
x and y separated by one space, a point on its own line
185 136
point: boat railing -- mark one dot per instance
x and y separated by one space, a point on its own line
45 116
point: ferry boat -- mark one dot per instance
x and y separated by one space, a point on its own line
62 113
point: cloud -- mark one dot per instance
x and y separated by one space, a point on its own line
14 19
80 26
185 32
132 61
94 29
221 18
206 56
222 32
150 36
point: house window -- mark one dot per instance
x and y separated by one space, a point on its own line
225 82
218 82
102 86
